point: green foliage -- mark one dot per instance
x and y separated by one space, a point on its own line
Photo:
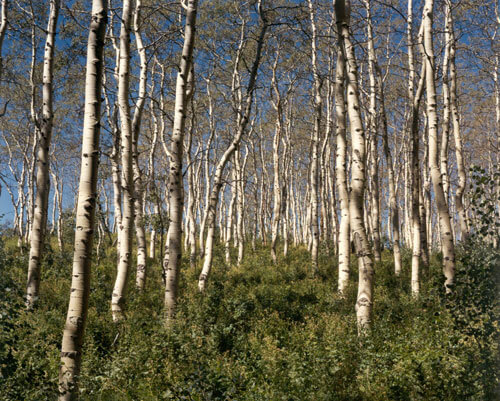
484 199
260 332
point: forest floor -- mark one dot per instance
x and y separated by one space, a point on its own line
260 332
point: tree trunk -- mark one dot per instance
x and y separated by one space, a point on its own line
344 255
372 126
140 230
126 226
243 121
442 208
315 145
71 349
455 118
175 179
364 303
44 130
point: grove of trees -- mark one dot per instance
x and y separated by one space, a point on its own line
249 199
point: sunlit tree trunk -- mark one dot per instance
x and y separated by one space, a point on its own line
183 90
126 226
372 126
442 207
71 349
44 130
344 253
415 174
217 183
455 118
315 144
140 230
277 105
364 302
445 125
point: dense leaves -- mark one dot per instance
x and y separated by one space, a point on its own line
261 332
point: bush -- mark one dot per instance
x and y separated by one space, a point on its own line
260 332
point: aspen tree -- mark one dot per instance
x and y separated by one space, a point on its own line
415 174
183 91
140 230
364 302
151 170
58 191
445 125
211 123
446 234
126 226
277 105
372 129
43 131
243 121
455 118
72 341
230 217
240 200
315 143
191 231
415 99
344 254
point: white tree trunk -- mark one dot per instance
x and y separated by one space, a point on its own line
126 226
175 179
447 245
140 230
71 348
344 245
44 130
364 303
243 121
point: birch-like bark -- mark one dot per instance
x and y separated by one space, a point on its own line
140 230
71 348
230 217
214 194
415 174
445 125
372 129
277 105
191 220
344 254
447 245
364 302
58 191
126 226
455 118
44 131
175 179
317 102
206 160
240 168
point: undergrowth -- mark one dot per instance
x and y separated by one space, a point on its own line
260 332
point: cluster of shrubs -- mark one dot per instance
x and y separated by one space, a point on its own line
260 332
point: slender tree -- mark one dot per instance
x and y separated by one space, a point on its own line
364 302
126 226
344 255
445 228
175 179
43 131
140 230
71 348
246 108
